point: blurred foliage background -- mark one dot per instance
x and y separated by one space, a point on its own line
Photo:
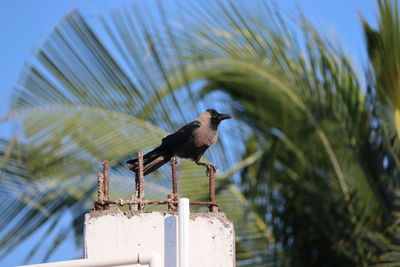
308 169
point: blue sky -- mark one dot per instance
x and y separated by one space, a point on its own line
24 24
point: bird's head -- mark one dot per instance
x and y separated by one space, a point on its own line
213 117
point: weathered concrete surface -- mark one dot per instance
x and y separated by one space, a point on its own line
114 233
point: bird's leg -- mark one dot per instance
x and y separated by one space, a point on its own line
209 166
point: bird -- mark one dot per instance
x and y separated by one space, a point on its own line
189 142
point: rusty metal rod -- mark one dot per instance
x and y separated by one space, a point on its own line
106 182
173 206
171 203
157 202
148 202
135 192
140 175
212 208
137 202
140 180
204 203
100 190
174 182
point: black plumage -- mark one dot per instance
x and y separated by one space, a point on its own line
190 141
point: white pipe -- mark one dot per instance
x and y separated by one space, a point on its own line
152 258
183 214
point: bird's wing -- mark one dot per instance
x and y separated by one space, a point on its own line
181 136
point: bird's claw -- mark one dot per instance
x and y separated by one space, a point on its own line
209 166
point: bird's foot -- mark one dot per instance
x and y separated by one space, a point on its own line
174 160
209 166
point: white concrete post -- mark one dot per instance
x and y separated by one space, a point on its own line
183 214
113 233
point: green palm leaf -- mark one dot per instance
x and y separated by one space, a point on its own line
383 46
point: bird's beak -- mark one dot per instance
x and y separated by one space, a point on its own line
222 116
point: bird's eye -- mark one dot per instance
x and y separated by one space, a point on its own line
213 112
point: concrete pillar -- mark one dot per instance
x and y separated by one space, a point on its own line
114 233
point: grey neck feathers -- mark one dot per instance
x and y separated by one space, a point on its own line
214 124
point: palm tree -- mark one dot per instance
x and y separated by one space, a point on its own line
85 108
308 174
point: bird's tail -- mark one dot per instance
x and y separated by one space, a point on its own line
151 161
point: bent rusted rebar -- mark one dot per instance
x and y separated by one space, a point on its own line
137 201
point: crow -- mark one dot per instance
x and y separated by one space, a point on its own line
189 142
